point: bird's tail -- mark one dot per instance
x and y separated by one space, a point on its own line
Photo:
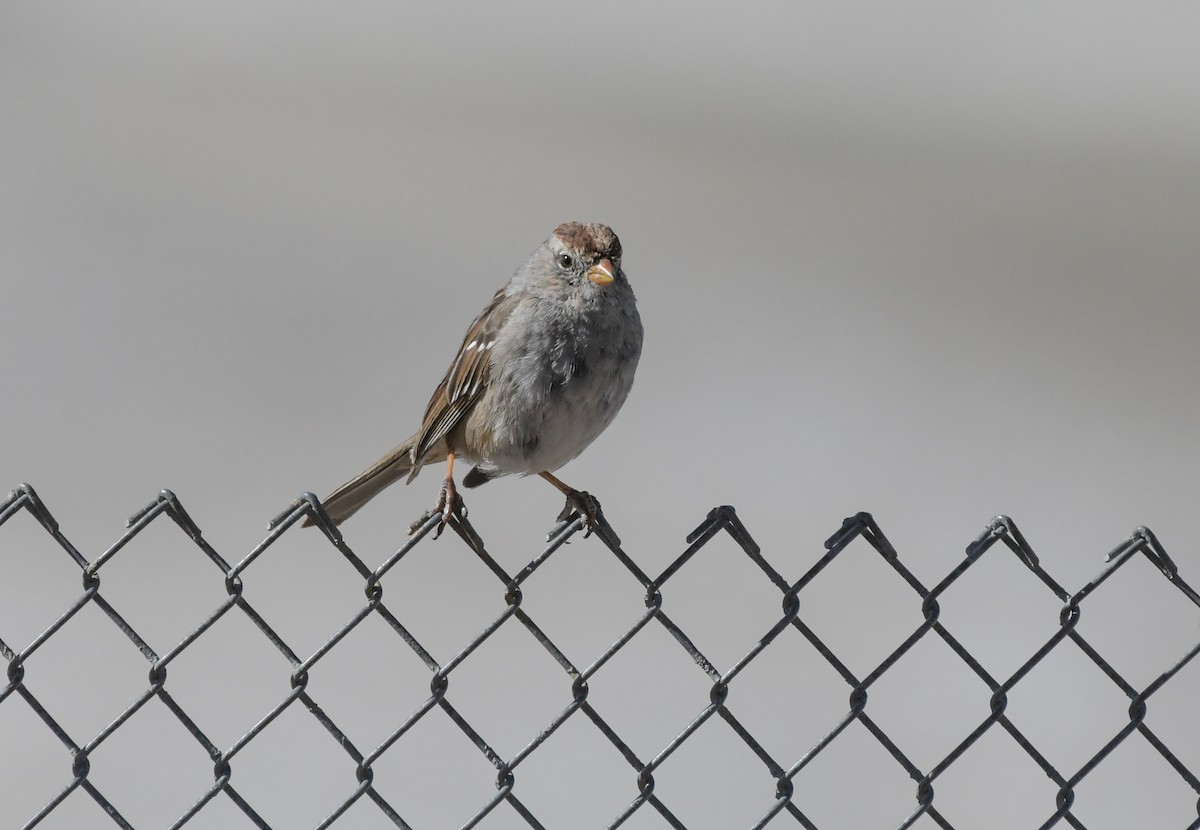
345 501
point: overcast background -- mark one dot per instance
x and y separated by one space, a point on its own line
932 261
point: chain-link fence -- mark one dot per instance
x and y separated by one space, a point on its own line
782 789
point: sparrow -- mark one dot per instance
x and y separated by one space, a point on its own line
540 373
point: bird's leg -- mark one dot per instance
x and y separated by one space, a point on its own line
449 504
579 503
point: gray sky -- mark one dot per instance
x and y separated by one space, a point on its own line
934 262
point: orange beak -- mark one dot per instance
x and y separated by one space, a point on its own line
602 273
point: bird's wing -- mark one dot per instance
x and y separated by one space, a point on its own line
465 380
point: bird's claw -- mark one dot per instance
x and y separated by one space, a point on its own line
449 505
586 507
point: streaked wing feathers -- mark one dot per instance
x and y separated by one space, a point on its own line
465 380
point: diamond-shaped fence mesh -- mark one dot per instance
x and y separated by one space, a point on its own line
220 740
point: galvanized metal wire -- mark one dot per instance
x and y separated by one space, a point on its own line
784 809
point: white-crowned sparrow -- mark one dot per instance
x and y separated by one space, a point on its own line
541 372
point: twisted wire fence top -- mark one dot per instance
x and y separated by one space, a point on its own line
544 769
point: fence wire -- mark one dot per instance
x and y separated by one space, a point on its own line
784 809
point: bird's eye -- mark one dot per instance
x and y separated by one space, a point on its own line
565 262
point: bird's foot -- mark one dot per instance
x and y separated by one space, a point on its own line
586 507
449 506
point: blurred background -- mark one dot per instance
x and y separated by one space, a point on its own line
930 261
